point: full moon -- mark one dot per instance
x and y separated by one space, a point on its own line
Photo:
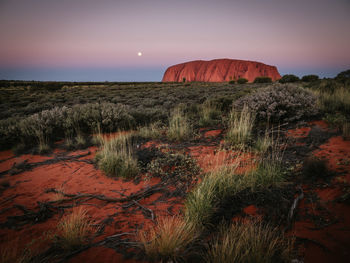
139 54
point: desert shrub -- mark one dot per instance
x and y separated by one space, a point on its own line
309 78
169 240
144 116
335 120
74 229
174 166
315 168
249 241
280 103
209 114
179 125
231 82
289 78
262 80
343 76
240 126
242 81
116 157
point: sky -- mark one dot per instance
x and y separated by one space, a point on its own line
99 40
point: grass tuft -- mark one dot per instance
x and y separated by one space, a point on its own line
74 229
179 125
249 242
116 157
169 240
240 127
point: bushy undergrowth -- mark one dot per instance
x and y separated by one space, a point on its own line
116 157
262 80
242 81
289 78
310 78
49 125
280 103
249 242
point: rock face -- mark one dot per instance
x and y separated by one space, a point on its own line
220 70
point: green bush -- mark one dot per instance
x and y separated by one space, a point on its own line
309 78
242 81
231 82
289 78
262 80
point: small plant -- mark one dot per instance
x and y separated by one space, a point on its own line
179 126
169 240
231 82
262 80
289 78
242 81
116 157
74 229
310 78
249 242
183 79
263 144
240 127
209 114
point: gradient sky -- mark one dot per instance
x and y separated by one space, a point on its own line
99 40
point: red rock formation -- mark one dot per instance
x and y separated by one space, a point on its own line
220 70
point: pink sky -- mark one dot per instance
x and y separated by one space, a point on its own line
309 34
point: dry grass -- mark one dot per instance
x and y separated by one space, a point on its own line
169 240
249 242
240 127
179 126
74 229
116 157
11 253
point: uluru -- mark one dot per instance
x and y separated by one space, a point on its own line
219 70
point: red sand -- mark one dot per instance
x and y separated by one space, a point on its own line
330 243
73 177
213 133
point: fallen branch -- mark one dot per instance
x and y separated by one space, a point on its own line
145 209
293 208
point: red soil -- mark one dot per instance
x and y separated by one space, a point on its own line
213 133
72 177
330 243
299 133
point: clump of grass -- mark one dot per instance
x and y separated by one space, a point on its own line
263 144
202 203
169 240
74 229
116 157
338 100
249 242
240 127
153 131
209 114
179 125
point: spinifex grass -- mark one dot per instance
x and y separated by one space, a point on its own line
169 240
249 242
74 229
179 125
116 157
240 127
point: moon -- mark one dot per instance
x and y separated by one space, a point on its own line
139 54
